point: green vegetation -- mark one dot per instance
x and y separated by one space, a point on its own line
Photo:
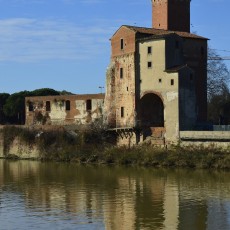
95 145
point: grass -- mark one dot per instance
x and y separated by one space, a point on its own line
96 146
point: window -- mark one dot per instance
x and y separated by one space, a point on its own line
67 105
149 64
172 81
31 107
121 72
191 77
122 111
150 50
160 80
48 106
122 43
127 88
89 105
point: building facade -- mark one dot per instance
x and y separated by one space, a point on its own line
157 78
64 109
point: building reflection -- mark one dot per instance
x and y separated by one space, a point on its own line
120 198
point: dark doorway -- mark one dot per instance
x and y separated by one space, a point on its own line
152 111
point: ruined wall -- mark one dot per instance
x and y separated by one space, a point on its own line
64 110
120 92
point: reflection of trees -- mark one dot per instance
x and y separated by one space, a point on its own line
123 198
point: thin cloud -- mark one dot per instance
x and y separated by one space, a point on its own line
29 40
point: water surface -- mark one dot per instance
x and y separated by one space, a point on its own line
36 195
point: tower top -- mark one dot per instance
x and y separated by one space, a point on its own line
171 15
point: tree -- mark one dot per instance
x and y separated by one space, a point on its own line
218 89
218 75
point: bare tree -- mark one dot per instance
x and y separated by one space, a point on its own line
218 74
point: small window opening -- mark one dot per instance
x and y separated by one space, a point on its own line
172 81
122 111
67 105
89 105
191 77
122 43
127 88
149 50
48 108
121 72
31 107
160 80
149 64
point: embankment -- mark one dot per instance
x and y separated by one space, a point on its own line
98 146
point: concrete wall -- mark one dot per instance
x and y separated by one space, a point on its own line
206 138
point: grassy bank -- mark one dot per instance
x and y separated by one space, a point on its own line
95 145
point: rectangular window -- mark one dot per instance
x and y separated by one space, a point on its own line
67 105
121 72
149 64
31 107
172 81
48 109
122 111
122 43
149 49
160 80
89 105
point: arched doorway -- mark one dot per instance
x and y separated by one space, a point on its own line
152 111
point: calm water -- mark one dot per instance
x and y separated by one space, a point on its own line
36 195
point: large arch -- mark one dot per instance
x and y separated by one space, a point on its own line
152 111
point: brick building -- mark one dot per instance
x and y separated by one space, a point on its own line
64 109
157 78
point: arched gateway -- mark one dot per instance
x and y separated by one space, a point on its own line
152 111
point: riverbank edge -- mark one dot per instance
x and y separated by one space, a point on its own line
94 146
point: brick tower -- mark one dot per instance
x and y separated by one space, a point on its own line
171 15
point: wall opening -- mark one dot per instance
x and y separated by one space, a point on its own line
48 108
152 111
31 107
89 105
67 105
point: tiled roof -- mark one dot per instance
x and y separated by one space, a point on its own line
153 31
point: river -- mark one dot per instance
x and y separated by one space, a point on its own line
35 195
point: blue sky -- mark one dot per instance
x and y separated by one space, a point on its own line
64 44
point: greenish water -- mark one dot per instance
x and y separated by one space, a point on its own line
36 195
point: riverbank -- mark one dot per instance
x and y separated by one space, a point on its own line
97 146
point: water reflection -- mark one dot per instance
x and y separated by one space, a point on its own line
69 196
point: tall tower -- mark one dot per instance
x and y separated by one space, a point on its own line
171 15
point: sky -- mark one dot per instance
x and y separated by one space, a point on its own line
64 44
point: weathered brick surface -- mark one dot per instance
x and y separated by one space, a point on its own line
58 115
171 14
